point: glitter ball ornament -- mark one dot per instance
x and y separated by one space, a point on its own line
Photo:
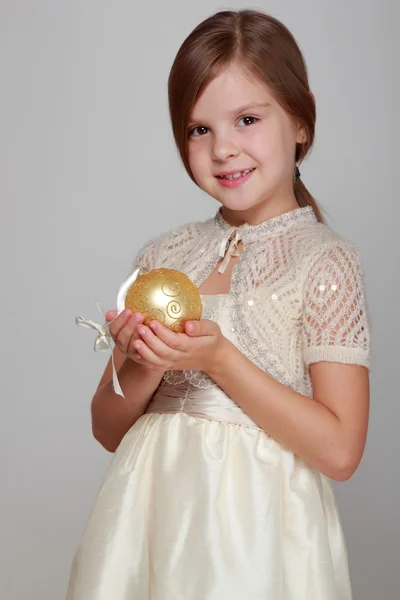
164 295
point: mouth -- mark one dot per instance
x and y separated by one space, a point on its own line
236 175
235 179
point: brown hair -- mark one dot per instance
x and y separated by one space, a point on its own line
262 46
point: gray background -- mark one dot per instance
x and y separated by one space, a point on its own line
89 172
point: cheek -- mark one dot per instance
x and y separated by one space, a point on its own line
271 146
197 159
200 166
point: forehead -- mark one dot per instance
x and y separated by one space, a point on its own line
229 90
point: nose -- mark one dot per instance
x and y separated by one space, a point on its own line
222 149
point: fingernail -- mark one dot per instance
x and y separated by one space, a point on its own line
142 331
138 318
190 327
127 313
153 326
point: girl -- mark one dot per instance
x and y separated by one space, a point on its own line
230 432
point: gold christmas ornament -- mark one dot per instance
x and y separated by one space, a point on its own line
164 295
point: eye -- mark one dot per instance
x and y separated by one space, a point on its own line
255 119
191 131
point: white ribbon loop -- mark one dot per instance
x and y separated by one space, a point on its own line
233 236
102 343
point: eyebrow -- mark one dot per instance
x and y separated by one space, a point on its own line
250 105
239 109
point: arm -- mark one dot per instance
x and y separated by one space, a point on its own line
113 415
328 431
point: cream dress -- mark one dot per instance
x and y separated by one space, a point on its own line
200 504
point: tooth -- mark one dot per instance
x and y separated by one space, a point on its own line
237 175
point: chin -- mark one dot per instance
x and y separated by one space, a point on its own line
238 204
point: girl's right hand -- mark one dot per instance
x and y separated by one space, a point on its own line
124 331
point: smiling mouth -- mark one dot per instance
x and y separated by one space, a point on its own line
237 175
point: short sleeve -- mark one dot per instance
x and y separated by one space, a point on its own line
147 255
336 325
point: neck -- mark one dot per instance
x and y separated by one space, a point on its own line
259 213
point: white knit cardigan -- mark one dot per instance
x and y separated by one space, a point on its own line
297 291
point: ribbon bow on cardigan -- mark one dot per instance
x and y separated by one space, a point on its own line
234 236
102 343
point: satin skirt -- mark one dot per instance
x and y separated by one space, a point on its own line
200 504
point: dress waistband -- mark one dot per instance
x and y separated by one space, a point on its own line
212 403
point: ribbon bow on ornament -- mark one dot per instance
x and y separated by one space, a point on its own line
102 342
234 236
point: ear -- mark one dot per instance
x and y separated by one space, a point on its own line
301 135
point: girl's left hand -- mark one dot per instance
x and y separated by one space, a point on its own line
161 348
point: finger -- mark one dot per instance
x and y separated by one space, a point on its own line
139 317
118 323
147 355
173 340
155 344
127 334
121 320
135 356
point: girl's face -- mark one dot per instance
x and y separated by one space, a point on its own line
237 125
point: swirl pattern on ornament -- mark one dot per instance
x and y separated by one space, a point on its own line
171 288
154 314
173 309
140 304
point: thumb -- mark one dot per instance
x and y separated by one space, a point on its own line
110 315
199 328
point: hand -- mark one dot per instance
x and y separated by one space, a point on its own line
124 331
197 348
